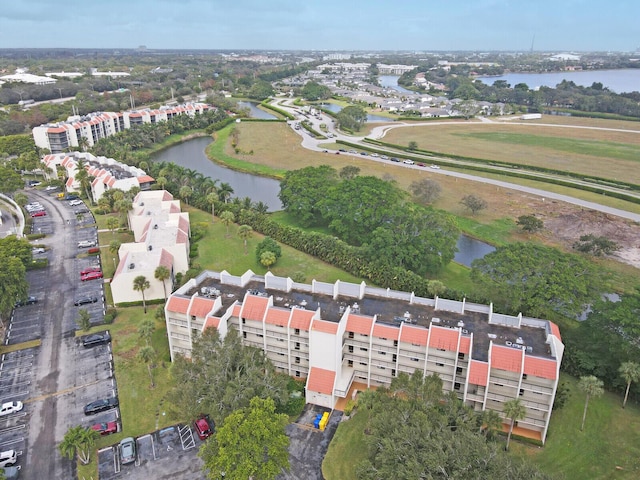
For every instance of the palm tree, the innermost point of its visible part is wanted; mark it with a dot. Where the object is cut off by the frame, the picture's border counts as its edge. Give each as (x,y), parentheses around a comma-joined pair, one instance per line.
(515,410)
(146,329)
(78,441)
(244,232)
(366,401)
(140,284)
(630,371)
(162,181)
(224,192)
(186,192)
(490,423)
(146,354)
(112,224)
(212,198)
(83,178)
(227,218)
(161,274)
(593,387)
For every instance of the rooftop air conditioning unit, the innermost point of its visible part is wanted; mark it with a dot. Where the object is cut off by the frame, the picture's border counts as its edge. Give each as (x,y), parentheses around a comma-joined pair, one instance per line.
(132,266)
(155,227)
(149,248)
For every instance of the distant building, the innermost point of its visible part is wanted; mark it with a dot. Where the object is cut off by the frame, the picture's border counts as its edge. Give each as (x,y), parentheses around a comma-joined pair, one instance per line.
(564,57)
(28,78)
(395,69)
(59,137)
(107,172)
(345,336)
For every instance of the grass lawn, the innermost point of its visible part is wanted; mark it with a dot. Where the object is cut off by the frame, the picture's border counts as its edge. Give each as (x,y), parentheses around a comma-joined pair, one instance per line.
(611,439)
(346,450)
(142,408)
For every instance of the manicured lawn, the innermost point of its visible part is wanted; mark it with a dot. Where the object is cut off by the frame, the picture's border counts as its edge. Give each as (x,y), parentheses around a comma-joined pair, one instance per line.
(346,450)
(611,439)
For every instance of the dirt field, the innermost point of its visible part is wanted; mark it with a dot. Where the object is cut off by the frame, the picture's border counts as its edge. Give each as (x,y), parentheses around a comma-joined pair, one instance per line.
(277,146)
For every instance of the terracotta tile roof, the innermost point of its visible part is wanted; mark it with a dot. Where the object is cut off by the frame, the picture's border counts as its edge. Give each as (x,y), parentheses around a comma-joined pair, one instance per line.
(200,306)
(555,330)
(540,367)
(166,259)
(321,380)
(174,209)
(324,326)
(56,129)
(386,331)
(478,372)
(278,316)
(181,237)
(301,318)
(506,358)
(359,324)
(145,179)
(121,264)
(178,305)
(237,308)
(211,322)
(254,307)
(444,338)
(465,345)
(413,335)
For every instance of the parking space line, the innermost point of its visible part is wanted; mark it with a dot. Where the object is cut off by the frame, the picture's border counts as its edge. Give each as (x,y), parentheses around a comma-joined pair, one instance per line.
(12,429)
(186,437)
(60,392)
(17,440)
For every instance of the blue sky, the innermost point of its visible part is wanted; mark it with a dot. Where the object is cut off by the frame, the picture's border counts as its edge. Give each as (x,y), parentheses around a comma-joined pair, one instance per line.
(558,25)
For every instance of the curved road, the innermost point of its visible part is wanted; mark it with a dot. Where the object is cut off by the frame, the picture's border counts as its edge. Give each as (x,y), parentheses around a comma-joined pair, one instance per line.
(311,143)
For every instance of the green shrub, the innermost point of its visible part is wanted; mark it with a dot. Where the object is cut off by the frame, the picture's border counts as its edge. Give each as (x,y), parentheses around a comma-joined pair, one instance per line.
(35,236)
(348,408)
(110,316)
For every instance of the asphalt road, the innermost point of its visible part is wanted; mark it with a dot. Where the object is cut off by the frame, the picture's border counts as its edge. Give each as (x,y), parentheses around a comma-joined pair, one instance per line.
(311,143)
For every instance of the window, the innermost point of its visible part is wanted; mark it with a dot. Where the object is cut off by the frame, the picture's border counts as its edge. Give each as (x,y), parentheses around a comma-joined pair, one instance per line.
(363,363)
(456,386)
(193,317)
(461,356)
(297,347)
(362,349)
(415,359)
(350,348)
(521,391)
(350,334)
(438,364)
(244,334)
(395,343)
(459,370)
(297,373)
(297,359)
(381,368)
(350,363)
(259,335)
(524,376)
(297,331)
(243,321)
(382,353)
(393,372)
(395,357)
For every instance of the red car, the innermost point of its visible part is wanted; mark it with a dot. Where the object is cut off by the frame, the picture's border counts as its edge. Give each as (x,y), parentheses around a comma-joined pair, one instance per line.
(39,213)
(105,428)
(204,427)
(91,276)
(88,270)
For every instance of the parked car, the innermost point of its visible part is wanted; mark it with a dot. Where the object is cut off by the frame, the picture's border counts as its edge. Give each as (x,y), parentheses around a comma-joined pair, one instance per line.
(10,407)
(105,428)
(100,405)
(435,167)
(421,165)
(204,427)
(12,473)
(39,213)
(75,203)
(51,188)
(78,211)
(34,183)
(86,243)
(363,154)
(85,301)
(95,339)
(37,250)
(89,270)
(374,154)
(8,457)
(30,300)
(127,450)
(91,276)
(384,157)
(394,159)
(408,162)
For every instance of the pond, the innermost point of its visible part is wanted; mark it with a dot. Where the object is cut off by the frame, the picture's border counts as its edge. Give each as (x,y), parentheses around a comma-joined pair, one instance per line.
(191,154)
(257,112)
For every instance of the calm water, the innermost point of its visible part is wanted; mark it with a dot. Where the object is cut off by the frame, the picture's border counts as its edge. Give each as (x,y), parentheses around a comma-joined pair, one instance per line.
(191,155)
(391,81)
(332,107)
(619,81)
(257,112)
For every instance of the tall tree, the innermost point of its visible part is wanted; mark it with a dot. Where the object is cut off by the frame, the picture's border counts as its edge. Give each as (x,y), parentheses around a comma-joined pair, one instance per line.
(245,232)
(211,200)
(146,329)
(513,410)
(251,443)
(13,284)
(162,274)
(78,441)
(146,355)
(302,190)
(474,203)
(140,284)
(112,224)
(592,387)
(227,217)
(185,193)
(630,372)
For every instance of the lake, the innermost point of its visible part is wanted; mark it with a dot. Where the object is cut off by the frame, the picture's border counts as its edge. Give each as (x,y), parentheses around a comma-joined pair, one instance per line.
(191,154)
(391,81)
(619,81)
(257,112)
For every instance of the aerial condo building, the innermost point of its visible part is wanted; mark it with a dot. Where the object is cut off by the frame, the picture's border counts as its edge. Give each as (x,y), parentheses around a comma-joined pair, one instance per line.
(341,336)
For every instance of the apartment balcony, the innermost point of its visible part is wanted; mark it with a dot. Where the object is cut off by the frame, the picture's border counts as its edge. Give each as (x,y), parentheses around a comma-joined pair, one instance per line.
(277,349)
(344,382)
(475,397)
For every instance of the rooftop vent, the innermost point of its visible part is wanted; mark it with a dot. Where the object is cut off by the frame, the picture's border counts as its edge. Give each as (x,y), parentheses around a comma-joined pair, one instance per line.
(132,266)
(155,227)
(150,247)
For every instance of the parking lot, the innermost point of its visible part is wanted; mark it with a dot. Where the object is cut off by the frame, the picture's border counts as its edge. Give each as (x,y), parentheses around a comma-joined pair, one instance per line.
(170,453)
(16,377)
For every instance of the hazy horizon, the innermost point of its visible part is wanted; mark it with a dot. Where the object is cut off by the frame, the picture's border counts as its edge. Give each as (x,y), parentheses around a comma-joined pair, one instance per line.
(371,25)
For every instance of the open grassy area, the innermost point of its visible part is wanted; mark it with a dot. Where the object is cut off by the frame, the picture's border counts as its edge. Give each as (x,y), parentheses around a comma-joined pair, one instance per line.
(611,439)
(599,151)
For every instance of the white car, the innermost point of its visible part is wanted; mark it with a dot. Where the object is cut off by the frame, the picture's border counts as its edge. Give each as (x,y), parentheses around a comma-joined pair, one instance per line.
(435,167)
(408,162)
(86,244)
(50,187)
(10,407)
(8,458)
(374,154)
(37,250)
(75,203)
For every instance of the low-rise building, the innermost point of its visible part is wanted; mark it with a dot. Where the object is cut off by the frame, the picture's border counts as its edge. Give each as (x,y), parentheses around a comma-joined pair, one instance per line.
(338,335)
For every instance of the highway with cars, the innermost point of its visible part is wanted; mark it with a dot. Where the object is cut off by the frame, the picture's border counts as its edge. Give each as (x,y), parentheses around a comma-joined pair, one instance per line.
(319,145)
